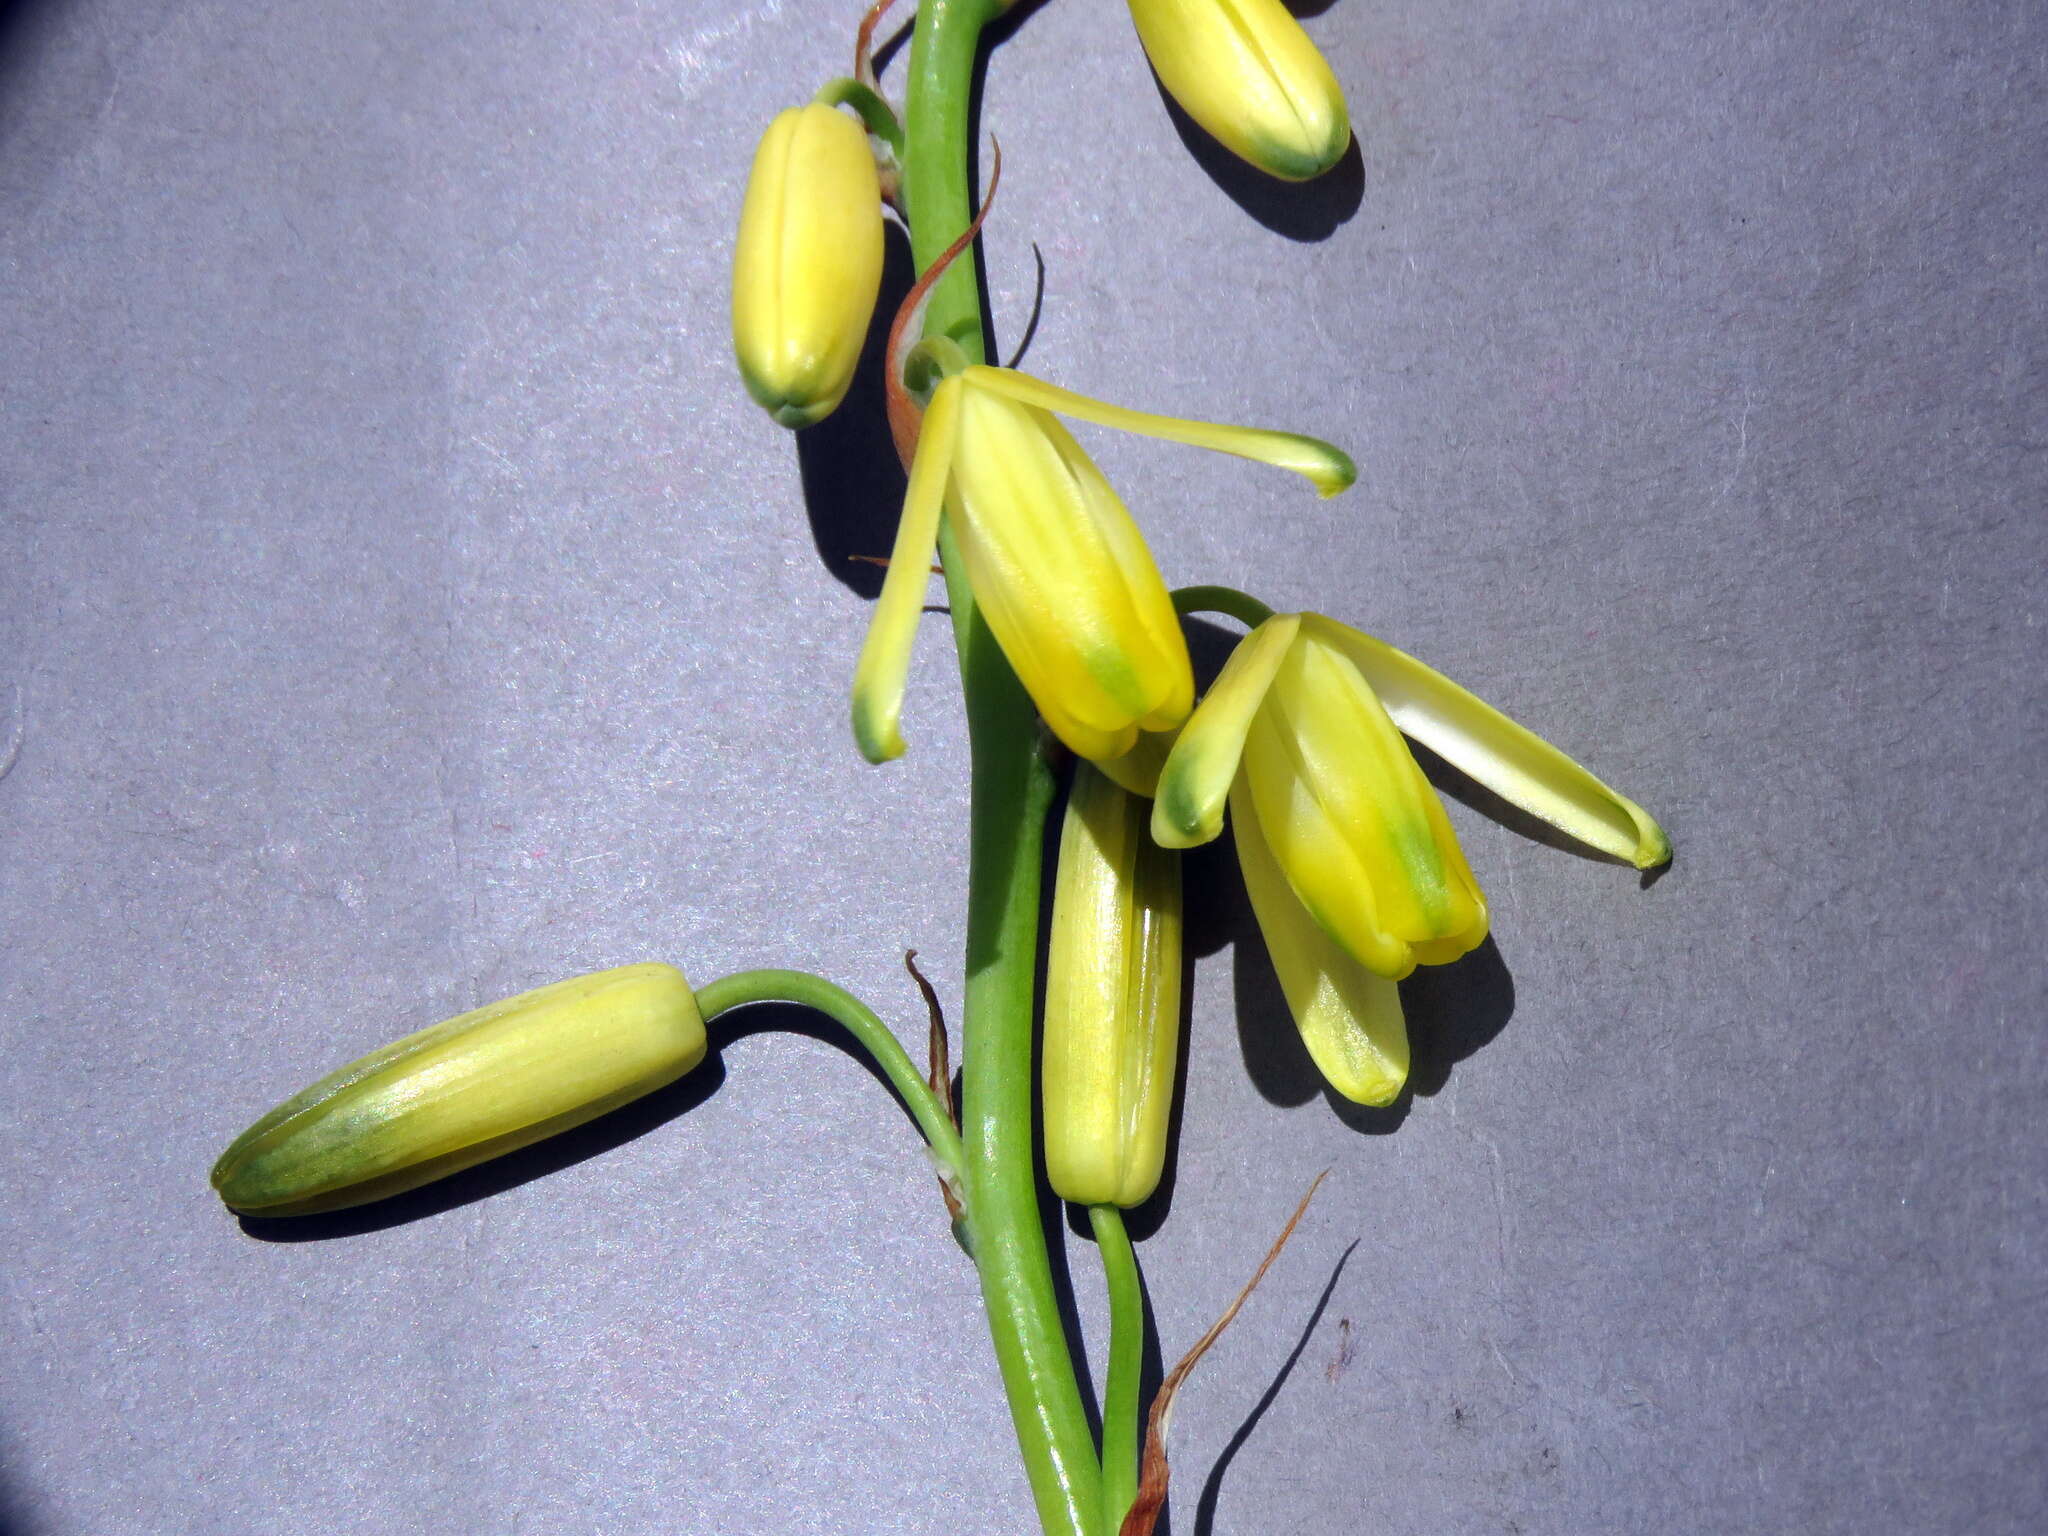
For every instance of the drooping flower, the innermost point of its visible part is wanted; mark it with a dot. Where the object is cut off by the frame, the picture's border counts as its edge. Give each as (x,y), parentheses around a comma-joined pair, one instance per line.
(1112,999)
(1247,72)
(1058,566)
(480,1085)
(808,263)
(1352,867)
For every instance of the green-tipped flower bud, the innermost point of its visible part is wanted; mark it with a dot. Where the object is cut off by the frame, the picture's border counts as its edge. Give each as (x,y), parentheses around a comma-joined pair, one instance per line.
(1112,999)
(482,1084)
(808,263)
(1246,71)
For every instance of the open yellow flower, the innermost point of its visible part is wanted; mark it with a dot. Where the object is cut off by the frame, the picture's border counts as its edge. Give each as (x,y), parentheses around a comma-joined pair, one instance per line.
(808,263)
(1061,572)
(1352,867)
(1247,72)
(484,1083)
(1112,999)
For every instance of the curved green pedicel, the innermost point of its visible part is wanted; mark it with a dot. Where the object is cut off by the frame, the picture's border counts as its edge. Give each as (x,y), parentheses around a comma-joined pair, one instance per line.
(1228,601)
(875,114)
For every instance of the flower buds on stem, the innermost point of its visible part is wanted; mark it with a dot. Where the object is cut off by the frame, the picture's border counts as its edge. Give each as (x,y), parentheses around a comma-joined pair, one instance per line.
(483,1084)
(1112,999)
(807,266)
(1247,72)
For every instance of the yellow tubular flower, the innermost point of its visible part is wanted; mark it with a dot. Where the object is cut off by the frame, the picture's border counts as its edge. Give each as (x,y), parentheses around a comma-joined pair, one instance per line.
(484,1083)
(1349,1018)
(808,263)
(1354,872)
(1059,568)
(1112,999)
(1246,71)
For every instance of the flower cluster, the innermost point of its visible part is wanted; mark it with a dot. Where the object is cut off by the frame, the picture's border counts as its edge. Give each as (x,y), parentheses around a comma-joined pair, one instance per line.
(1354,872)
(1058,566)
(1352,867)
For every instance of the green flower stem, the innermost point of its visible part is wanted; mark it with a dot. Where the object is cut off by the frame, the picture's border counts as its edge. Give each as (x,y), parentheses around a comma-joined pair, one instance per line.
(1011,791)
(1126,1363)
(876,1038)
(935,189)
(875,113)
(1228,601)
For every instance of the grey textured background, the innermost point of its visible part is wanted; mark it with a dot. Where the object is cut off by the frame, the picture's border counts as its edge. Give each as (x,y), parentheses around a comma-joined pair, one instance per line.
(402,605)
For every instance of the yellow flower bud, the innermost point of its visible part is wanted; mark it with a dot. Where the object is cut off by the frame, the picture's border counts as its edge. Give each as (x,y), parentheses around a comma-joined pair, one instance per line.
(1064,579)
(808,263)
(1247,72)
(1112,999)
(482,1084)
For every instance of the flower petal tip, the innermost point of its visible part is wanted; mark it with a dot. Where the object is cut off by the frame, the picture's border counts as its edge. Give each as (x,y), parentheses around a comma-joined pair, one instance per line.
(1341,475)
(1179,820)
(1373,1092)
(797,417)
(1301,161)
(877,735)
(786,406)
(1654,851)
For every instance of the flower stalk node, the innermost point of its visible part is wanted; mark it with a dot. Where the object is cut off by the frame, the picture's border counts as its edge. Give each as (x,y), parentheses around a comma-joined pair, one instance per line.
(906,415)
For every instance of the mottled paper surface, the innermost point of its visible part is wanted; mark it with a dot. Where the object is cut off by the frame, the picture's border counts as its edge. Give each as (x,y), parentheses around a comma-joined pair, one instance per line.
(401,605)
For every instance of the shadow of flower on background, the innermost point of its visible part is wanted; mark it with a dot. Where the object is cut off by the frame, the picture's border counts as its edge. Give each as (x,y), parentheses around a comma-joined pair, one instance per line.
(852,485)
(1212,1486)
(14,1514)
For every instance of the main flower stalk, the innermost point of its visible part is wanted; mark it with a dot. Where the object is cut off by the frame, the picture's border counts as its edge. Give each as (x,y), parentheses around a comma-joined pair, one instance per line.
(1011,792)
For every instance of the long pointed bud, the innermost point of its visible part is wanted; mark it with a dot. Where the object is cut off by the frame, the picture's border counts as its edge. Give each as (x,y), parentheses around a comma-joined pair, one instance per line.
(1112,999)
(483,1084)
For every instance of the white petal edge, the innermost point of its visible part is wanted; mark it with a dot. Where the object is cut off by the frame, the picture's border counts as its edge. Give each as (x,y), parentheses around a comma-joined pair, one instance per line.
(1512,761)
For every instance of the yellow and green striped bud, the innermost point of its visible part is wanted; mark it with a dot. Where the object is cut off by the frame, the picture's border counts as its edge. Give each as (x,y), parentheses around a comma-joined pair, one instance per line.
(482,1084)
(808,263)
(1247,72)
(1112,999)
